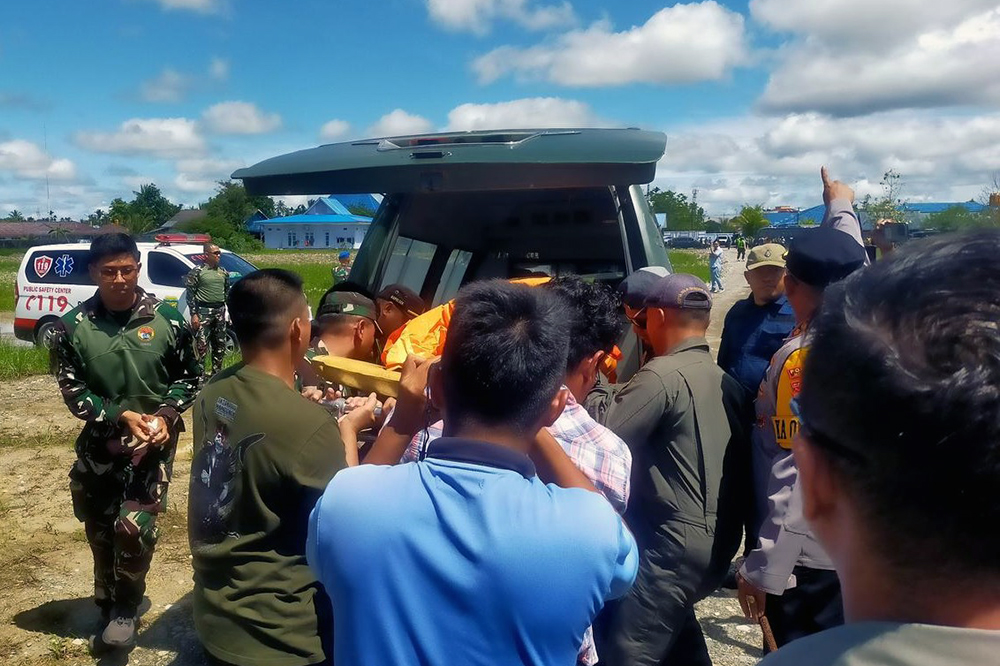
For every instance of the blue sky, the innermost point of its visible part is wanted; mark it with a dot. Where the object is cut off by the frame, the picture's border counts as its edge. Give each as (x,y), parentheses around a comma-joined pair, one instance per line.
(99,97)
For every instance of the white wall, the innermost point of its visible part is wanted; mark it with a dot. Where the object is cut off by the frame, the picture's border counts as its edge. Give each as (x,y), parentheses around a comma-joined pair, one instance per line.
(276,236)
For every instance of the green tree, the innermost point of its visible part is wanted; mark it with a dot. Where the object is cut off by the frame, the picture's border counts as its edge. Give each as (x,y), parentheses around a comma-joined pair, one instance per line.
(233,205)
(751,220)
(807,222)
(281,209)
(888,206)
(960,218)
(150,204)
(97,218)
(15,216)
(682,215)
(363,211)
(299,210)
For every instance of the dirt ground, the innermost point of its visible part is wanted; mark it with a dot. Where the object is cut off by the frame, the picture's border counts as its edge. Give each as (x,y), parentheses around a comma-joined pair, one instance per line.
(45,564)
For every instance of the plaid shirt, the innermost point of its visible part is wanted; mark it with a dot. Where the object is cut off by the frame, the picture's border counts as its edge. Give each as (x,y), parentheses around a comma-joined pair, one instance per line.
(599,453)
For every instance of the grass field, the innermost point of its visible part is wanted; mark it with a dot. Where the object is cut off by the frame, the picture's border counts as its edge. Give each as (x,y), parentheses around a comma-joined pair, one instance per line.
(694,262)
(17,361)
(10,260)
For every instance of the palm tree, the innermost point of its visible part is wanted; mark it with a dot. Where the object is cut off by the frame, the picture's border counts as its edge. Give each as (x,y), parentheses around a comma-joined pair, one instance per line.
(15,216)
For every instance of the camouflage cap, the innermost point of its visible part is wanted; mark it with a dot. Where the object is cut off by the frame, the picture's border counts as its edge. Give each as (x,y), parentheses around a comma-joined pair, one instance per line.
(345,303)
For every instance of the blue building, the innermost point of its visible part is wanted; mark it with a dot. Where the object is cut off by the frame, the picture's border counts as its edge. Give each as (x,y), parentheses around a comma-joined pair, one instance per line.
(915,214)
(326,224)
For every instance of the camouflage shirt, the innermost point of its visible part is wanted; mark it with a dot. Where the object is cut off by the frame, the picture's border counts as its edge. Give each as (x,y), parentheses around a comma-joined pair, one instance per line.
(105,366)
(341,273)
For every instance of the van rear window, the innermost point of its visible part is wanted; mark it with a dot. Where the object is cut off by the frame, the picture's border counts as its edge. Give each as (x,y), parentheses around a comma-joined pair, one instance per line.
(58,267)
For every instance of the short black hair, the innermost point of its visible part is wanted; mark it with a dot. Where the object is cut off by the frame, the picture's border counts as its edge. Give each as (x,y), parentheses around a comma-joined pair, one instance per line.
(901,389)
(505,355)
(112,245)
(595,317)
(263,303)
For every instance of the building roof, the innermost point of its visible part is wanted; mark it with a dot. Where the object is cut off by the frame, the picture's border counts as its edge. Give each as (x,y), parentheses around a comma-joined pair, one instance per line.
(928,208)
(312,219)
(185,215)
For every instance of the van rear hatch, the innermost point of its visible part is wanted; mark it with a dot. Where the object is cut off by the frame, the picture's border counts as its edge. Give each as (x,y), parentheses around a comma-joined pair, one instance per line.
(464,162)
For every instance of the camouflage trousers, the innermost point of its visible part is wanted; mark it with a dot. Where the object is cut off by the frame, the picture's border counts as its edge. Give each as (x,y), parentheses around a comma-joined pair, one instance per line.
(117,491)
(212,331)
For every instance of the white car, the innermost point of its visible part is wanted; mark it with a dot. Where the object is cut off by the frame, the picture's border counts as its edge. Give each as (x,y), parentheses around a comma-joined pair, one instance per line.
(53,279)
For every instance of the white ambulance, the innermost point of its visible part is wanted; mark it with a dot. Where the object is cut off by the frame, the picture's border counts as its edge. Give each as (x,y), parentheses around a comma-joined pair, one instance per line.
(53,279)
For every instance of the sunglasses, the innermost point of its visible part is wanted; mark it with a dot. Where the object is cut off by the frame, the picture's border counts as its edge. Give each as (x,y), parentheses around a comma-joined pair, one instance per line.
(125,271)
(639,319)
(823,440)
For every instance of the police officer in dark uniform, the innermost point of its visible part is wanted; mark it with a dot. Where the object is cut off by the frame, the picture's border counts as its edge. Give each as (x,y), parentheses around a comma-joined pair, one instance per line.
(686,423)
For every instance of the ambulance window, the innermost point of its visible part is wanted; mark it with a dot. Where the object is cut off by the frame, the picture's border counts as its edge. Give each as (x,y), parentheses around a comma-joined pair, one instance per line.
(165,270)
(454,273)
(408,264)
(58,267)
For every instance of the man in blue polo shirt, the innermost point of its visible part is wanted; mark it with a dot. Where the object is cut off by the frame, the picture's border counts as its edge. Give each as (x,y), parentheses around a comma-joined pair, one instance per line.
(466,557)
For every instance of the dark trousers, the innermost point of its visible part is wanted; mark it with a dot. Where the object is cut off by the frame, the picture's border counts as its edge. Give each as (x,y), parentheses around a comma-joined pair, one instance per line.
(813,605)
(655,624)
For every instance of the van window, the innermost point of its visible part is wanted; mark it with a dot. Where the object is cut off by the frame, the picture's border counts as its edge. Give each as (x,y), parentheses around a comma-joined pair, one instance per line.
(166,270)
(408,264)
(58,267)
(453,276)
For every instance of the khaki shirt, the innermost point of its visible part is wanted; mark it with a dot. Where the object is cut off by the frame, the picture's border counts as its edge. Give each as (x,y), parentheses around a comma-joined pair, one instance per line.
(885,643)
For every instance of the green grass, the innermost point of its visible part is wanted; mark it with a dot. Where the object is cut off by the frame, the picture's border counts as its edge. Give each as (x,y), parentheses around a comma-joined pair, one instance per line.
(694,262)
(316,275)
(17,361)
(10,261)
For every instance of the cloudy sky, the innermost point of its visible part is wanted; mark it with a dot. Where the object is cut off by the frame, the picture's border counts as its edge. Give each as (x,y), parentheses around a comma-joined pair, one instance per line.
(99,97)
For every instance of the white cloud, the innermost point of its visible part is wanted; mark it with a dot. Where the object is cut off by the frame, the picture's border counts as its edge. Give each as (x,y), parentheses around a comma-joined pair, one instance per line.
(776,161)
(862,22)
(239,118)
(156,137)
(477,16)
(334,129)
(678,44)
(399,122)
(523,113)
(218,69)
(200,6)
(169,86)
(28,160)
(933,56)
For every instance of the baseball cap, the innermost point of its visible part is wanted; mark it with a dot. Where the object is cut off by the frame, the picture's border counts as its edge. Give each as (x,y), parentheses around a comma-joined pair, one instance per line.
(769,254)
(345,303)
(405,298)
(634,289)
(680,290)
(344,255)
(819,257)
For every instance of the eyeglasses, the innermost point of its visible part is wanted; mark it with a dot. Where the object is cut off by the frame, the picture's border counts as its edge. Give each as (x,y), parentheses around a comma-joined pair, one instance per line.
(823,440)
(638,319)
(110,273)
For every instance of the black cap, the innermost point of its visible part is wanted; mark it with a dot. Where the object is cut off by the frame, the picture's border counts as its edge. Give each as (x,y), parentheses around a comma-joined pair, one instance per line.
(405,298)
(345,302)
(680,290)
(636,288)
(819,257)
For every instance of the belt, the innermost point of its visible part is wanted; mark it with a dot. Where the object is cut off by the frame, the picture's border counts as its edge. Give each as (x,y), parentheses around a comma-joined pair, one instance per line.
(220,304)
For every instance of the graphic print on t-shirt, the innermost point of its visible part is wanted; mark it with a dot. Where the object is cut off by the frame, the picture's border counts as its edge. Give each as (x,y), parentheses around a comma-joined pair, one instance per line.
(216,470)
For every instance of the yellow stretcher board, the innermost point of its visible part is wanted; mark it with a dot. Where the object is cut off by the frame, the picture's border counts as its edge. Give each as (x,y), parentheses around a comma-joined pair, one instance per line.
(360,375)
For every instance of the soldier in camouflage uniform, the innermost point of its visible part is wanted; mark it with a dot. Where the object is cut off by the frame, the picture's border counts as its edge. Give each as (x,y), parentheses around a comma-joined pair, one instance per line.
(207,289)
(343,268)
(126,364)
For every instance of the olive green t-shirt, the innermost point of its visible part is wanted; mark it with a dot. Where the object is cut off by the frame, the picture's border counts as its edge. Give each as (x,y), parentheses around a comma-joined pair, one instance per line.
(262,457)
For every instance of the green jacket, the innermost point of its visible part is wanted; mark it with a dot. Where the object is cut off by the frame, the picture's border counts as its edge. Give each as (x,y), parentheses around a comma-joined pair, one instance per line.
(146,364)
(206,285)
